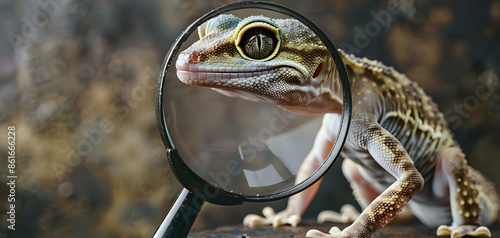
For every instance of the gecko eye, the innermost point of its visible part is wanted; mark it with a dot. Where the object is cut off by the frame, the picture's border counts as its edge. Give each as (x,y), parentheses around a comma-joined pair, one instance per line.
(258,41)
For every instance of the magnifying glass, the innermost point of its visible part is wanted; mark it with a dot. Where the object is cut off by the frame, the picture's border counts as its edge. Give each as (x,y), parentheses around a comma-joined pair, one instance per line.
(241,112)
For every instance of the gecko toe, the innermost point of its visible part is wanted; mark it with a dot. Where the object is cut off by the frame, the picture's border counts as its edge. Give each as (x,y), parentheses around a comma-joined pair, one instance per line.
(348,213)
(463,230)
(456,234)
(316,234)
(277,221)
(443,230)
(325,216)
(268,212)
(481,231)
(335,231)
(253,220)
(280,220)
(293,220)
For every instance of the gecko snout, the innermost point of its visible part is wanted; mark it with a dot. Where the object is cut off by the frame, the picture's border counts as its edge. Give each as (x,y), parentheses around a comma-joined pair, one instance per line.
(187,65)
(186,59)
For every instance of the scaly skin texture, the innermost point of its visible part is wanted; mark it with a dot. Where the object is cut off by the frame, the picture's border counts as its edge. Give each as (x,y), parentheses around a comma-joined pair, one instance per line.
(399,151)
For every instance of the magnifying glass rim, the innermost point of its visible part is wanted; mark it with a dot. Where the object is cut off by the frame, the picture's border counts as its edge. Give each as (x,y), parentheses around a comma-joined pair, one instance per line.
(346,109)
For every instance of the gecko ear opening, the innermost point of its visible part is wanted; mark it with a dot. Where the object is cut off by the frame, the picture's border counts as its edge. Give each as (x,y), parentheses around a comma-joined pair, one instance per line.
(318,70)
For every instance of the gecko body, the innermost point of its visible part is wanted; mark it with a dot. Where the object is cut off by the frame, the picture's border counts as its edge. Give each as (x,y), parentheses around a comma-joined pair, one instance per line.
(399,156)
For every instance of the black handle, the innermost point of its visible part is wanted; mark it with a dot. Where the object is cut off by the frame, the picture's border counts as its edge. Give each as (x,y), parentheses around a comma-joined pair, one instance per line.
(181,216)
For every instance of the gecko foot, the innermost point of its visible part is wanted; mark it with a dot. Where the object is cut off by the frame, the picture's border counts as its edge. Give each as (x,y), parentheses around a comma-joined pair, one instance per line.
(271,218)
(335,232)
(348,213)
(463,230)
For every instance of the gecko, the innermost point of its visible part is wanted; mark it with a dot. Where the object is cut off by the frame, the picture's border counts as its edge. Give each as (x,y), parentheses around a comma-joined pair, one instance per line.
(400,157)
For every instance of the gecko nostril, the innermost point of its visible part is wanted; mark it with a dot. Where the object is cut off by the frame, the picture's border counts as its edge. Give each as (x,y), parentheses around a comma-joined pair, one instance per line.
(187,60)
(195,57)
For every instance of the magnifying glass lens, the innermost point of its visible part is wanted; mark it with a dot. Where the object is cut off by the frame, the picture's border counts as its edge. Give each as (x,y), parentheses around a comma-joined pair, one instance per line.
(257,108)
(247,100)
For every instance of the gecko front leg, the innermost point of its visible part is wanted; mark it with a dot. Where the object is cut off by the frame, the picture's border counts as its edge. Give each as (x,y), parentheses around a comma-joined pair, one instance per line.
(364,192)
(297,204)
(392,156)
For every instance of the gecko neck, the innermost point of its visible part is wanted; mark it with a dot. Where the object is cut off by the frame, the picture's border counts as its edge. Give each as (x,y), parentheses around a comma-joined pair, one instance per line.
(329,98)
(323,104)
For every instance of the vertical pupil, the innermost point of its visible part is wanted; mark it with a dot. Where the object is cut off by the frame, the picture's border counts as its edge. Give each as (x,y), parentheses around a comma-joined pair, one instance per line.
(259,42)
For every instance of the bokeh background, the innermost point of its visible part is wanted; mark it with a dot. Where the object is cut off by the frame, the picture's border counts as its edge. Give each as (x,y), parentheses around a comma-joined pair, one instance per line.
(77,80)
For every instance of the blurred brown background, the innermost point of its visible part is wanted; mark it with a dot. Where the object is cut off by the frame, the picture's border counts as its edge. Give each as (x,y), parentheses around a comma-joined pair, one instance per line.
(77,80)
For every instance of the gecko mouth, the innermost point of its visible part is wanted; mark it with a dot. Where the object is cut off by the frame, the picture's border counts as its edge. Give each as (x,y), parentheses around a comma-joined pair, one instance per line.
(192,73)
(216,77)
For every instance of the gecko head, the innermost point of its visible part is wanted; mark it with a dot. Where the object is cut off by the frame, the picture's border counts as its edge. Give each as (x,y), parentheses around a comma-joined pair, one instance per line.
(278,61)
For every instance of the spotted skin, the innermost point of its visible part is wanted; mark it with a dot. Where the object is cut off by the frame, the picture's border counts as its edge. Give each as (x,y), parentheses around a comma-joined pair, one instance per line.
(400,157)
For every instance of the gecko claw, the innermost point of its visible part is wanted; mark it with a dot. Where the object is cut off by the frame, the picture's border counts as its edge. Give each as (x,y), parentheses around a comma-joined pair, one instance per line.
(463,230)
